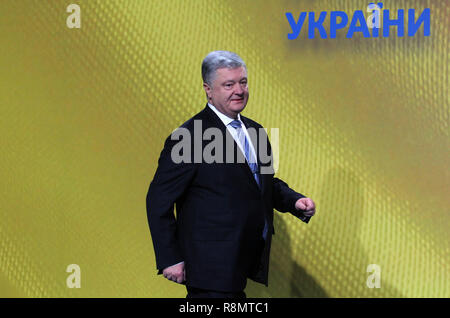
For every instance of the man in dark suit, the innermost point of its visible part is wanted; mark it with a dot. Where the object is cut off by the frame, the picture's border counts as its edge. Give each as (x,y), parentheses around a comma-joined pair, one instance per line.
(220,176)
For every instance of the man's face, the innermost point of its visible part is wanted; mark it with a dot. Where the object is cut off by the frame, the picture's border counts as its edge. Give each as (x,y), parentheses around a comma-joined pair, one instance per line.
(229,91)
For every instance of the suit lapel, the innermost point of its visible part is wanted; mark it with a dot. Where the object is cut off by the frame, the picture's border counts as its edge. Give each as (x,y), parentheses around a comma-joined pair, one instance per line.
(214,121)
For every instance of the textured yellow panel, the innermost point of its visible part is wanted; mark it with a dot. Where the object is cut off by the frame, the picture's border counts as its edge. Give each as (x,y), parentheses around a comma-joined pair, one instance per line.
(363,127)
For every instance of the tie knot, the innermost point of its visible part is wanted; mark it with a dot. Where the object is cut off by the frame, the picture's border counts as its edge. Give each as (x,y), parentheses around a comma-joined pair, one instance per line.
(235,124)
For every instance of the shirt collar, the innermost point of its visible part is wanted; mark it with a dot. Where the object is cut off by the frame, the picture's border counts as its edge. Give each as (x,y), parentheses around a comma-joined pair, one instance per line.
(224,118)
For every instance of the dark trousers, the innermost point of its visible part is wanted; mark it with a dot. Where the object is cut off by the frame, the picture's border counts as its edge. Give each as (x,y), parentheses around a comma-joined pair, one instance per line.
(193,292)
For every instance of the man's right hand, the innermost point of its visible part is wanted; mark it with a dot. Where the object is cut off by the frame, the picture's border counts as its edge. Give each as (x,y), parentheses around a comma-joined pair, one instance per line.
(175,273)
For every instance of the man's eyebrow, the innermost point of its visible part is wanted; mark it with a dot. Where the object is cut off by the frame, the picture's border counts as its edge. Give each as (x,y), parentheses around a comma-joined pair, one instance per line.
(233,81)
(228,82)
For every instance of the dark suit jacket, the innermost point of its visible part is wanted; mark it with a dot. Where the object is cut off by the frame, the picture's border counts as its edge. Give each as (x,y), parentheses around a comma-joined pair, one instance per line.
(220,213)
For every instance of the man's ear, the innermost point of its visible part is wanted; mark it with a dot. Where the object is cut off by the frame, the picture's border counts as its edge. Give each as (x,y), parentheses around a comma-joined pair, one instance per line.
(207,90)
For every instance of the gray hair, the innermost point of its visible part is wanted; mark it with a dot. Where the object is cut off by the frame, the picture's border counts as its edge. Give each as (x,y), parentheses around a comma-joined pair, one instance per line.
(219,59)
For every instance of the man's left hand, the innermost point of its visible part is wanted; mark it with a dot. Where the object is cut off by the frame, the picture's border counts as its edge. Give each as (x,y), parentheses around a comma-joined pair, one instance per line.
(306,205)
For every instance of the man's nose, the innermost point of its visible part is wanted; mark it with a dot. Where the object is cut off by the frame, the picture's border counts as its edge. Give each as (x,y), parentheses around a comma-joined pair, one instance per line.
(238,90)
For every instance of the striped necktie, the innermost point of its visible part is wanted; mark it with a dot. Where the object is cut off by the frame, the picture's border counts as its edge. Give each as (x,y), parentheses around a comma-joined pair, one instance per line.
(236,124)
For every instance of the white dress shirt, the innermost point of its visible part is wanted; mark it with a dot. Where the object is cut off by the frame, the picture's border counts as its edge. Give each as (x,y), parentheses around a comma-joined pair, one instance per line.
(226,121)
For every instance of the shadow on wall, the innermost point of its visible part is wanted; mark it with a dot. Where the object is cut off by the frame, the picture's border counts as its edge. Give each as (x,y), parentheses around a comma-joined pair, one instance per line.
(342,211)
(340,205)
(301,284)
(286,277)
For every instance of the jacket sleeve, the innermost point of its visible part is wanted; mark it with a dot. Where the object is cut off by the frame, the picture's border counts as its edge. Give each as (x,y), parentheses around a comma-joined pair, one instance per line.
(284,199)
(168,185)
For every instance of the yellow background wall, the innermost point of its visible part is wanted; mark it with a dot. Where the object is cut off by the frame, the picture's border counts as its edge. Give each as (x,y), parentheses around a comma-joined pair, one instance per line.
(84,112)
